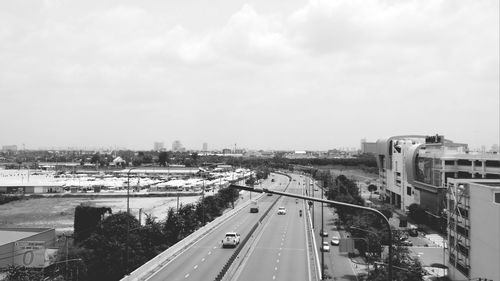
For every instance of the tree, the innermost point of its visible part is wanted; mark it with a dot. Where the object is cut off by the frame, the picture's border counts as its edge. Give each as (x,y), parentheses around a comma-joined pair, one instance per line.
(87,219)
(163,158)
(404,266)
(21,273)
(372,188)
(417,213)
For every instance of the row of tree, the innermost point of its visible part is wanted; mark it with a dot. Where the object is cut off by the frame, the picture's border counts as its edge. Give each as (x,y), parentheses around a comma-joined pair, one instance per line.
(108,246)
(370,230)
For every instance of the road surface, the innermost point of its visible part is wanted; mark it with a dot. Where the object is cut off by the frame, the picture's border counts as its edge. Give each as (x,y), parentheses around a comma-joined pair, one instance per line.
(279,251)
(205,258)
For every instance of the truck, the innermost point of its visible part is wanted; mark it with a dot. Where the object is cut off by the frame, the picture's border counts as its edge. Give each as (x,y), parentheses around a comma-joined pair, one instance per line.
(232,239)
(254,207)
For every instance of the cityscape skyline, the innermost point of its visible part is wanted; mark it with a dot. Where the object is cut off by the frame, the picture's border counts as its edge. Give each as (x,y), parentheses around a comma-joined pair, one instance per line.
(307,75)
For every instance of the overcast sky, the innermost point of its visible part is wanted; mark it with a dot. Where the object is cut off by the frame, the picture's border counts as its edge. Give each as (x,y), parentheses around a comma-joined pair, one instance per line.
(262,74)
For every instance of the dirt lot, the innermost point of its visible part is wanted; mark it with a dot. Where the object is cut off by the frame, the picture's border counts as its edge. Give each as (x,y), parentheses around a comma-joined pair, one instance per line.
(59,213)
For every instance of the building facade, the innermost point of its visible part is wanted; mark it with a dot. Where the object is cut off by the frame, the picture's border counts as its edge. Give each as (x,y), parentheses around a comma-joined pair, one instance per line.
(415,169)
(473,229)
(177,146)
(29,247)
(158,146)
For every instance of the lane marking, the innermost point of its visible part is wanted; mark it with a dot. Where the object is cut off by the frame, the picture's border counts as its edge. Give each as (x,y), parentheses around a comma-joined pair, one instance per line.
(186,276)
(203,259)
(209,253)
(275,268)
(196,266)
(274,277)
(278,260)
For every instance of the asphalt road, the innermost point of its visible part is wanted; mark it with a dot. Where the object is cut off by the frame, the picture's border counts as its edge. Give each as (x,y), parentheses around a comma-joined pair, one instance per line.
(279,251)
(337,265)
(205,258)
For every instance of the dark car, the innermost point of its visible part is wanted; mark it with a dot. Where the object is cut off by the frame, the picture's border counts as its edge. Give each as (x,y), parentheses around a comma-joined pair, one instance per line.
(413,232)
(323,233)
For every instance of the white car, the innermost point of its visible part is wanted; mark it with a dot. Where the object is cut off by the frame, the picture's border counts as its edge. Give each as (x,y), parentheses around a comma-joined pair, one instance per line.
(325,247)
(335,238)
(281,211)
(232,239)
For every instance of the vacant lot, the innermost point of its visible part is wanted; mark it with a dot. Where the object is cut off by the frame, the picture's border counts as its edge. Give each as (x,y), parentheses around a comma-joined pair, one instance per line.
(59,213)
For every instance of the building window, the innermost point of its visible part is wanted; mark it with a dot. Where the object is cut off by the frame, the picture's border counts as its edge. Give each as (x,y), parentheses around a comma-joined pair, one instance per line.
(408,190)
(497,197)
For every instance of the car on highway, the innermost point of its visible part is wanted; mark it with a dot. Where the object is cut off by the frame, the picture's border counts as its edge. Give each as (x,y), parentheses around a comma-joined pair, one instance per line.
(335,238)
(325,247)
(232,239)
(323,233)
(281,211)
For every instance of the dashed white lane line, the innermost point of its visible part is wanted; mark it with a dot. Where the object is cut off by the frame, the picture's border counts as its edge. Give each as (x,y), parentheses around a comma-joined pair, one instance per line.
(279,254)
(186,276)
(215,247)
(278,260)
(275,268)
(209,253)
(195,267)
(203,259)
(274,277)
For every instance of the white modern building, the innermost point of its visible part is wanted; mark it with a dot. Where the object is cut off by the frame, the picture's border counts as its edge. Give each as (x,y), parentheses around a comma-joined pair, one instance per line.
(473,229)
(415,169)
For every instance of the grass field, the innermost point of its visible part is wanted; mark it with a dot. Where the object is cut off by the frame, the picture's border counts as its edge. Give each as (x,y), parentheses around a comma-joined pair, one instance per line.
(59,213)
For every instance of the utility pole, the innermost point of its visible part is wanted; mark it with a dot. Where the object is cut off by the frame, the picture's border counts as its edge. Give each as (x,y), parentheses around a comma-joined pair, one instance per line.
(322,237)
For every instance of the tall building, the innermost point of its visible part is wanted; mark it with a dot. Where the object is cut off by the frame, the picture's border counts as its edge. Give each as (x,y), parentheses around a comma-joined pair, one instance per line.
(473,229)
(9,148)
(205,146)
(177,146)
(415,169)
(159,146)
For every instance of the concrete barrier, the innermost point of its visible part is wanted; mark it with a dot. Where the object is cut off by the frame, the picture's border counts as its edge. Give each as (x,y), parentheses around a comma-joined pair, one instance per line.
(149,268)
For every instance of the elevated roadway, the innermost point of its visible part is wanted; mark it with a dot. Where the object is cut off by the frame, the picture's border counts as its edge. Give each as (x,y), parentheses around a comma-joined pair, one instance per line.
(204,259)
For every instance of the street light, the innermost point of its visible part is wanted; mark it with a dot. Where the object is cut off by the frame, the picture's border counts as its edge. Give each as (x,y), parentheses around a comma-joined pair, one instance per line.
(335,203)
(128,213)
(128,190)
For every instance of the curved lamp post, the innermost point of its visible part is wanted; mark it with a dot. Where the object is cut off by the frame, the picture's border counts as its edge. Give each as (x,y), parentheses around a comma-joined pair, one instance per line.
(335,203)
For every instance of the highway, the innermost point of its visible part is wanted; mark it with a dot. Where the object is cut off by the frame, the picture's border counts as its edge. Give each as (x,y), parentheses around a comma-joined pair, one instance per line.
(206,257)
(279,251)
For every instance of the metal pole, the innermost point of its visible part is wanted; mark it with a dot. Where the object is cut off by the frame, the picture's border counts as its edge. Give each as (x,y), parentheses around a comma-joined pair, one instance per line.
(322,240)
(334,203)
(128,213)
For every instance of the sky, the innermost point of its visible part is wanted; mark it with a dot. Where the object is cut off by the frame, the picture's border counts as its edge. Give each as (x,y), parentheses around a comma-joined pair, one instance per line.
(258,74)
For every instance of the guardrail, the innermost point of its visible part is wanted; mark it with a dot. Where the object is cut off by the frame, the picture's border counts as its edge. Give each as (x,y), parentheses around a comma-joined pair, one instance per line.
(149,268)
(228,264)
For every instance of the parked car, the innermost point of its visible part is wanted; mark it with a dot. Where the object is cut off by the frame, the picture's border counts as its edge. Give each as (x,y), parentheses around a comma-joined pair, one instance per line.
(323,233)
(325,247)
(335,238)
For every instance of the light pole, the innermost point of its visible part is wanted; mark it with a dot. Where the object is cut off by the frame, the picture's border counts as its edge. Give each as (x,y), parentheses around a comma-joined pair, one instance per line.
(322,236)
(128,190)
(334,203)
(128,213)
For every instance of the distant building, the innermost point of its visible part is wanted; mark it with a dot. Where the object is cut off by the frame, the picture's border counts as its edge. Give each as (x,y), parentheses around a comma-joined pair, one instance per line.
(159,146)
(177,146)
(227,151)
(367,147)
(9,148)
(473,229)
(205,146)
